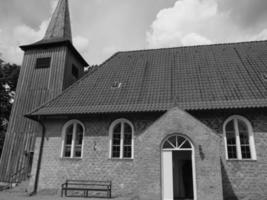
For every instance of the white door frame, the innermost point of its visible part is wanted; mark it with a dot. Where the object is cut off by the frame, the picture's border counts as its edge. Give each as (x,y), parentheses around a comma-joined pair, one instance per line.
(192,160)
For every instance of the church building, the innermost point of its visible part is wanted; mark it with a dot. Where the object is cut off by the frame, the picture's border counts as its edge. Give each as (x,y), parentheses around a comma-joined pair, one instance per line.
(187,123)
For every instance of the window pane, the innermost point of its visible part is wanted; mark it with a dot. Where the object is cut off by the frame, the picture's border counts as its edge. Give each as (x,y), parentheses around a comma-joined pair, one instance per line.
(244,139)
(78,151)
(230,126)
(167,145)
(115,151)
(180,140)
(231,151)
(172,140)
(67,151)
(117,128)
(245,150)
(127,151)
(127,139)
(79,135)
(231,138)
(127,128)
(68,137)
(186,145)
(116,139)
(243,132)
(79,128)
(242,126)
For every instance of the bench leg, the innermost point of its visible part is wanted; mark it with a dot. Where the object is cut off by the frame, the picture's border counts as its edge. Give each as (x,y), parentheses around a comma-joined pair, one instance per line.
(109,193)
(61,192)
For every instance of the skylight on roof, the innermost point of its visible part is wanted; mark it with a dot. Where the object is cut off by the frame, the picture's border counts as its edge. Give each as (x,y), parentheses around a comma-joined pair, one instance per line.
(264,76)
(116,85)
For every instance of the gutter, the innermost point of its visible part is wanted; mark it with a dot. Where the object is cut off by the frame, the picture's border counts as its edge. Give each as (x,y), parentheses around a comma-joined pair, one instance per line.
(39,158)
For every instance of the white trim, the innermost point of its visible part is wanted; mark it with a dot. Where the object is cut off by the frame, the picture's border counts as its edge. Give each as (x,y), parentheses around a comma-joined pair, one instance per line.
(192,149)
(238,144)
(63,135)
(111,127)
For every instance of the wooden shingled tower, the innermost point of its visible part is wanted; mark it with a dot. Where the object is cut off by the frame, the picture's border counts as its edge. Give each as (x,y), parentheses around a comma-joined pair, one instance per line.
(49,66)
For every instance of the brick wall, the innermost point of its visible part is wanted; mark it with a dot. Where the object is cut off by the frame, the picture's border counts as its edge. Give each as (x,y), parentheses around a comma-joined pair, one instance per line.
(242,179)
(95,163)
(141,177)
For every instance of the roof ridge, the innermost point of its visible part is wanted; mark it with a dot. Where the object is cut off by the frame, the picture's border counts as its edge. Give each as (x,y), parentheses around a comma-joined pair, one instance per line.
(192,46)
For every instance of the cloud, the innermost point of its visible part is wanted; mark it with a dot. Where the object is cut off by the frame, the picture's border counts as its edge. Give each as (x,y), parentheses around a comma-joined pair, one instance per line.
(81,43)
(194,38)
(53,5)
(245,13)
(109,50)
(20,35)
(260,36)
(26,34)
(182,24)
(192,22)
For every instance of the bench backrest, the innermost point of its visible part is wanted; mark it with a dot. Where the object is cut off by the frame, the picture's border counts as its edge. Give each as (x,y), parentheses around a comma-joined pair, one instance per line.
(87,182)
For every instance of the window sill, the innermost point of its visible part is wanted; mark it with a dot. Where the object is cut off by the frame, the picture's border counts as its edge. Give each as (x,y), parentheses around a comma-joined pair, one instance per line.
(121,159)
(242,160)
(67,158)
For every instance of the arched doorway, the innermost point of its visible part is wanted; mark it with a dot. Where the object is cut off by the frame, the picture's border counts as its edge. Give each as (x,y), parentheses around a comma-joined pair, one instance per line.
(178,174)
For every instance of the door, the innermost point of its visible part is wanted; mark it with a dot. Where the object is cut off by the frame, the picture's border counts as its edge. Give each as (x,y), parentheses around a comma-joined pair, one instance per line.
(167,175)
(177,169)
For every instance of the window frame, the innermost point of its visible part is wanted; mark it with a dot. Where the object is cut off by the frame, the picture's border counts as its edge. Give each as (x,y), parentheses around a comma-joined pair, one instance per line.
(252,147)
(75,71)
(40,59)
(74,133)
(111,128)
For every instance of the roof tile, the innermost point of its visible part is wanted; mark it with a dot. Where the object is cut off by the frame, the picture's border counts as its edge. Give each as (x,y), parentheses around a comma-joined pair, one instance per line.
(192,78)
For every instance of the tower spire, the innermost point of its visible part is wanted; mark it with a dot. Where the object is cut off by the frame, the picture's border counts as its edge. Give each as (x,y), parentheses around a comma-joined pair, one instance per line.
(59,26)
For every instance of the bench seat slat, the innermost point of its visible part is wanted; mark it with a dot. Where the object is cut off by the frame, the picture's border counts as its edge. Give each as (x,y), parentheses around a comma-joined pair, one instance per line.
(85,189)
(89,184)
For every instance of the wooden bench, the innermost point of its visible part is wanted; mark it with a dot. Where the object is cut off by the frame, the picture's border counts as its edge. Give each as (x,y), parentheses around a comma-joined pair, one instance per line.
(85,186)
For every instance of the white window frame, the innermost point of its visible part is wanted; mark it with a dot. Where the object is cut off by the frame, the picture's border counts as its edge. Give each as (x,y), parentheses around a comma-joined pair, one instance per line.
(238,144)
(74,122)
(113,124)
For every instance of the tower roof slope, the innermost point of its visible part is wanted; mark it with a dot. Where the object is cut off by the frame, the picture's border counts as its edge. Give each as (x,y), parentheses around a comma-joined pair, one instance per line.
(197,77)
(59,26)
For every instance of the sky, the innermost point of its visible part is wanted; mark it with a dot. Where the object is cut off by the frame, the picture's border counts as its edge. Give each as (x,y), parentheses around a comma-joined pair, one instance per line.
(102,27)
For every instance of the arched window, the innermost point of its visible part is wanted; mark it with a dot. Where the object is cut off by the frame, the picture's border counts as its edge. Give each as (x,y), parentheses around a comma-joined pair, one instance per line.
(239,138)
(177,142)
(121,139)
(72,139)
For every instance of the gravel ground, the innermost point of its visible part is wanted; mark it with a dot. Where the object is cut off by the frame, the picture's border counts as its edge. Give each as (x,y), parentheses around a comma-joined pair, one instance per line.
(11,195)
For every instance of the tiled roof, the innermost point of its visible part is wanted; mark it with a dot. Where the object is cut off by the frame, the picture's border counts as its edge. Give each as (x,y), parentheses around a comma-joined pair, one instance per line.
(197,77)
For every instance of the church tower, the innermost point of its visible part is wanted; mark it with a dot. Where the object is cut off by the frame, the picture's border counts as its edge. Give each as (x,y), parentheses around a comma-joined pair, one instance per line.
(49,66)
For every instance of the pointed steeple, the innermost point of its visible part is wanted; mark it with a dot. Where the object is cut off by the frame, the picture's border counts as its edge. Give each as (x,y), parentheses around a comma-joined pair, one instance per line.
(59,26)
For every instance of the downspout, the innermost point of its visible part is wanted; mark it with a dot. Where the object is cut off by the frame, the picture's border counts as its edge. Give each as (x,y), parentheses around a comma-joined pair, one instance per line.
(39,159)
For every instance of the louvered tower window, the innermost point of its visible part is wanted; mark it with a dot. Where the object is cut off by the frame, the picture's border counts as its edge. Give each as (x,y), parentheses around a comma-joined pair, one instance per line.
(75,71)
(43,63)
